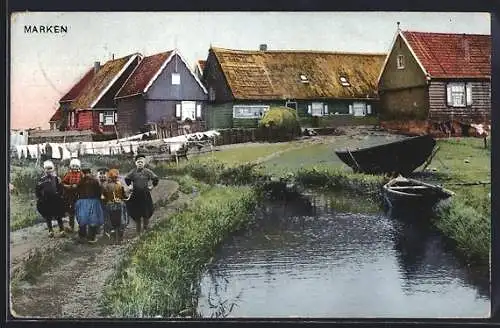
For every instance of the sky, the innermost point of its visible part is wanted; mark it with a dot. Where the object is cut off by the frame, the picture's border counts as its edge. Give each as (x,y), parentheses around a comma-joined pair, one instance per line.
(45,66)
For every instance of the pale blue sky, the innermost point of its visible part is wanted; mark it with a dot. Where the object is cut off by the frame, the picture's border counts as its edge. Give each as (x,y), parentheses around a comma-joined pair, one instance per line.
(44,66)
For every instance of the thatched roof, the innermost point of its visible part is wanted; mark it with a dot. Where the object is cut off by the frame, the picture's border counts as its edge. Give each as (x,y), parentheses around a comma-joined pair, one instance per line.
(101,81)
(299,74)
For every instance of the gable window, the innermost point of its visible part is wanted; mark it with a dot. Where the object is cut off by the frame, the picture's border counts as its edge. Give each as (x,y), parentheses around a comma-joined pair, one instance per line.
(249,111)
(459,94)
(107,118)
(176,79)
(401,61)
(344,81)
(211,94)
(304,78)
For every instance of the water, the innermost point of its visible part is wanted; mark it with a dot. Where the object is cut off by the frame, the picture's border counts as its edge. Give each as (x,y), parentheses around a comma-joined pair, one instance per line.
(313,260)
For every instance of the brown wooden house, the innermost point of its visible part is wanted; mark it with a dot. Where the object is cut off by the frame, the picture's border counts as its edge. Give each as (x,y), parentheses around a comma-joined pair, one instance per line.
(243,84)
(161,89)
(437,77)
(89,104)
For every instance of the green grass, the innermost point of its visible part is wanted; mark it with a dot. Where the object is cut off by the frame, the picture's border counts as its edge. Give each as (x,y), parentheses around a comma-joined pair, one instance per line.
(247,153)
(23,212)
(160,276)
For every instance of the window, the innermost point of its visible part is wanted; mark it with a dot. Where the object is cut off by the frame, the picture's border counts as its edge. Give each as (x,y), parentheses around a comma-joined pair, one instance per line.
(291,104)
(459,94)
(303,78)
(176,79)
(401,61)
(317,109)
(187,110)
(211,94)
(358,109)
(344,82)
(198,111)
(249,111)
(107,118)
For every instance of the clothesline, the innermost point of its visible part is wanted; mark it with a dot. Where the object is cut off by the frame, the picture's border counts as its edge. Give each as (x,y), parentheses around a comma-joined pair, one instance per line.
(111,147)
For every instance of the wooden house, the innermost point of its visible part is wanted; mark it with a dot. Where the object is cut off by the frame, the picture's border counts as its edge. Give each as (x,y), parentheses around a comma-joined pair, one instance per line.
(161,89)
(436,77)
(243,84)
(198,70)
(89,104)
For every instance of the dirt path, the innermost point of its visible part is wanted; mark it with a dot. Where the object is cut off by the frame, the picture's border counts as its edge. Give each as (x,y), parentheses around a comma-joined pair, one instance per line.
(72,284)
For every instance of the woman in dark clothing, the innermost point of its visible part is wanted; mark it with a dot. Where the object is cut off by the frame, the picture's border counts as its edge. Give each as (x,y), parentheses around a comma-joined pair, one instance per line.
(49,203)
(88,207)
(140,204)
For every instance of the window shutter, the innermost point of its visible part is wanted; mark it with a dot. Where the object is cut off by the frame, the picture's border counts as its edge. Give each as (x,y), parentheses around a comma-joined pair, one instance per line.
(368,109)
(177,110)
(198,111)
(116,117)
(325,109)
(468,88)
(309,109)
(101,118)
(449,101)
(350,109)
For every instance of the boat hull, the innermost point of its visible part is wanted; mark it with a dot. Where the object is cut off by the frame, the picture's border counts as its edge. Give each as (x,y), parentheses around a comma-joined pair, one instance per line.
(399,157)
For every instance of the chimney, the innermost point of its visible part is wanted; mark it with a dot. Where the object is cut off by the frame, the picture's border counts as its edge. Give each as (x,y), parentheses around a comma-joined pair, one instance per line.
(399,29)
(465,43)
(112,56)
(263,47)
(97,66)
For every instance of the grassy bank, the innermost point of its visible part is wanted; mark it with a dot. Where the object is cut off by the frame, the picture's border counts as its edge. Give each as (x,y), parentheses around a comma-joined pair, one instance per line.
(467,218)
(160,275)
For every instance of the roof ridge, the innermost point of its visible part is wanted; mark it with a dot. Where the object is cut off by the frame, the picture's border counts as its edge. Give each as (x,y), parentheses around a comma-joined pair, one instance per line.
(444,33)
(303,51)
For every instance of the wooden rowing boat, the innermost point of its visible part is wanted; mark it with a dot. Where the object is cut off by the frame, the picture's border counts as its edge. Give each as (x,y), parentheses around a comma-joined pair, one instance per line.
(404,193)
(398,157)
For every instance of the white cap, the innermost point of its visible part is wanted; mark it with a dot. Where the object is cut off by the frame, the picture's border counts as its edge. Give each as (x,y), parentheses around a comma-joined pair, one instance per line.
(48,165)
(75,163)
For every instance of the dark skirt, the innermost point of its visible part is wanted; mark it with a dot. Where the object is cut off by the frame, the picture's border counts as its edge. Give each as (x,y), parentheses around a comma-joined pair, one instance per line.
(89,211)
(140,205)
(50,208)
(116,214)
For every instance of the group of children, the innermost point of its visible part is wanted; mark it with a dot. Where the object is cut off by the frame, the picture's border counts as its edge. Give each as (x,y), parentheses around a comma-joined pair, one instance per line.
(96,201)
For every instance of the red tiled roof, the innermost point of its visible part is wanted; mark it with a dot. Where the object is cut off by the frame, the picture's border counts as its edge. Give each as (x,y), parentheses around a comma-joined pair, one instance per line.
(445,55)
(202,63)
(78,87)
(57,115)
(144,72)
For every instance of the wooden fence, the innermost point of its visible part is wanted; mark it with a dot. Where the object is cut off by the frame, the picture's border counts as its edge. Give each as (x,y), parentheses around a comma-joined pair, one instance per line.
(168,129)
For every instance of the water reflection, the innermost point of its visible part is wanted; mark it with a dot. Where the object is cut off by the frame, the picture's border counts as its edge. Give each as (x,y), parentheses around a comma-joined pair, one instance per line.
(312,258)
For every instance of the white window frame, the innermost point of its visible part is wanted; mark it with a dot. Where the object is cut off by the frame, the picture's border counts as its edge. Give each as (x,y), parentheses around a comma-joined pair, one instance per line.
(358,104)
(344,82)
(185,105)
(107,118)
(176,79)
(304,78)
(317,109)
(252,111)
(198,110)
(459,94)
(400,61)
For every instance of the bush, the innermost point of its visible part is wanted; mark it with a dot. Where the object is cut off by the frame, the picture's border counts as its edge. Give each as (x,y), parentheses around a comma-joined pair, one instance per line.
(280,124)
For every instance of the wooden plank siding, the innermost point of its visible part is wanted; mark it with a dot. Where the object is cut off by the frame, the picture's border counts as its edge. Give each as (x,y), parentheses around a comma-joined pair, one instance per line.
(478,112)
(131,115)
(219,116)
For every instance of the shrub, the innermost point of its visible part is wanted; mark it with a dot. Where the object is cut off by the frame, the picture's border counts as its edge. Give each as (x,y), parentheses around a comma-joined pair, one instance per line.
(280,124)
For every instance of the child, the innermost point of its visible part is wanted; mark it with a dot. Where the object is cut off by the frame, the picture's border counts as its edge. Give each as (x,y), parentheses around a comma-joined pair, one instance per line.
(49,203)
(114,202)
(70,181)
(140,204)
(88,207)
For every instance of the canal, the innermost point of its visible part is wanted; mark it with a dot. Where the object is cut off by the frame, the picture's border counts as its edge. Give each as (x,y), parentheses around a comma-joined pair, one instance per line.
(339,256)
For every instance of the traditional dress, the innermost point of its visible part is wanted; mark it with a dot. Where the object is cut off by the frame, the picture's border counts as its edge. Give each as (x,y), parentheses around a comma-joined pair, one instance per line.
(114,203)
(88,207)
(70,194)
(140,204)
(49,203)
